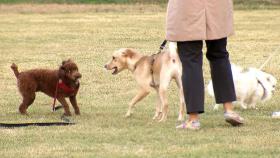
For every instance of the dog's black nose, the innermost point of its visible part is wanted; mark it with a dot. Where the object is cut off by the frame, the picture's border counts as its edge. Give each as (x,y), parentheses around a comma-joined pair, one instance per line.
(78,75)
(105,66)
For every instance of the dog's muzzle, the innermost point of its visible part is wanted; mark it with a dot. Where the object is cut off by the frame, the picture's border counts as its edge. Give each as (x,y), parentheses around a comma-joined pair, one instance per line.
(115,69)
(77,76)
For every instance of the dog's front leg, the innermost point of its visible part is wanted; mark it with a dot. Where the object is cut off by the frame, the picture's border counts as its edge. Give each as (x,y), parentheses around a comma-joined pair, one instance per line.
(253,102)
(243,104)
(253,106)
(65,106)
(139,96)
(73,101)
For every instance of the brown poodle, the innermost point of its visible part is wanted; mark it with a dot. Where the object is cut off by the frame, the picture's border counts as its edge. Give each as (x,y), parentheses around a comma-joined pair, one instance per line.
(58,84)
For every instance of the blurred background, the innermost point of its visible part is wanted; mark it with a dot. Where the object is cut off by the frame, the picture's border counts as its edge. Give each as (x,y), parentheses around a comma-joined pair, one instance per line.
(240,4)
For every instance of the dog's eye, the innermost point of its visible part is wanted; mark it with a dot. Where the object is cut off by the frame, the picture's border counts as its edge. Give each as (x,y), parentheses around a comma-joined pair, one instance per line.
(114,58)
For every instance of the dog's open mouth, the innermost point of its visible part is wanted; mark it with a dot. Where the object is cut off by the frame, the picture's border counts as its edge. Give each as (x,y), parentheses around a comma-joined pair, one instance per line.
(115,70)
(76,81)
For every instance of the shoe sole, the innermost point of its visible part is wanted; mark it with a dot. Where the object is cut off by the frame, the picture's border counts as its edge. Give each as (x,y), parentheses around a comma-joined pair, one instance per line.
(234,122)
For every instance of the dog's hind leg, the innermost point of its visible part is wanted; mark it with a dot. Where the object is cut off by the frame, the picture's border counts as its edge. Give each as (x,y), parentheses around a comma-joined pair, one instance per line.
(65,106)
(163,98)
(26,102)
(164,83)
(158,107)
(73,101)
(142,93)
(182,98)
(27,91)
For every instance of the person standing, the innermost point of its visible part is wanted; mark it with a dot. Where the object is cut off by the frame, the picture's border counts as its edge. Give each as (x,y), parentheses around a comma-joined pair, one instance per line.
(189,23)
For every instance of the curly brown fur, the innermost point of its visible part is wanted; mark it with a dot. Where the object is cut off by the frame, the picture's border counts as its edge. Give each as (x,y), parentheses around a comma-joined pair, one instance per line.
(44,80)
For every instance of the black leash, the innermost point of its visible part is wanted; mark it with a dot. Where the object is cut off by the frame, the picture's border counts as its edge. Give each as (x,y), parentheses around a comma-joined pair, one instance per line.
(16,125)
(57,107)
(65,122)
(264,90)
(162,46)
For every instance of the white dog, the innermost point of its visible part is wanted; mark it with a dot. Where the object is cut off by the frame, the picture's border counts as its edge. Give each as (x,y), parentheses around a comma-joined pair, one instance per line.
(251,86)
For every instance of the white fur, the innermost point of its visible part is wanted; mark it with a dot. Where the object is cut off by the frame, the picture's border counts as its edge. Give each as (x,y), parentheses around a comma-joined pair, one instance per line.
(247,87)
(173,49)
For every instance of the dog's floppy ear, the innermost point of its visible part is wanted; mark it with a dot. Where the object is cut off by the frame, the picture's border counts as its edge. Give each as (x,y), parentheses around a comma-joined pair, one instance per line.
(61,71)
(128,53)
(66,61)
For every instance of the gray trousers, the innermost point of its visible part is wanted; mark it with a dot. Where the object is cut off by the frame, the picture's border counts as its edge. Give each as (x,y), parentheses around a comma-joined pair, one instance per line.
(190,53)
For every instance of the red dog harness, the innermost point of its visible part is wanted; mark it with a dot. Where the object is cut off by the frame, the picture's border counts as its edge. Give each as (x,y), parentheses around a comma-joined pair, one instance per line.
(61,85)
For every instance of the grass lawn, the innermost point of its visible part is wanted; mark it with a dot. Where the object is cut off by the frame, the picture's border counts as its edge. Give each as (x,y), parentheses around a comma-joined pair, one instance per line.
(44,39)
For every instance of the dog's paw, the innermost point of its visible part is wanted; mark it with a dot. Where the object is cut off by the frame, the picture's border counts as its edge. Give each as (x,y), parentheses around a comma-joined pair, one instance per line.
(67,114)
(180,118)
(24,113)
(216,107)
(163,118)
(157,116)
(254,108)
(77,113)
(127,115)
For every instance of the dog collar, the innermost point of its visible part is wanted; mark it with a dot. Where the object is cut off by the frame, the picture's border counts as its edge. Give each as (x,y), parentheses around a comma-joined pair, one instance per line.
(61,85)
(264,90)
(65,88)
(136,64)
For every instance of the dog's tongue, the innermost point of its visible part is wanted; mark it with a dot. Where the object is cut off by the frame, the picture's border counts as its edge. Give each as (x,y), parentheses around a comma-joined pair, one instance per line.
(77,82)
(115,71)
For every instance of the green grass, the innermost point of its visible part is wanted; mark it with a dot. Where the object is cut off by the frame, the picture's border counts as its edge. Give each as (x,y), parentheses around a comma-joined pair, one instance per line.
(43,40)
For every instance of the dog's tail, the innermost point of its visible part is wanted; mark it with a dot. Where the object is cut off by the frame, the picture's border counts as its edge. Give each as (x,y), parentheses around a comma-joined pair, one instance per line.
(173,51)
(15,69)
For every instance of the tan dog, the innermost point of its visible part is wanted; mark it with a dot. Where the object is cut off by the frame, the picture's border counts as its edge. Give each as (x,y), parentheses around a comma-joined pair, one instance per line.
(151,72)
